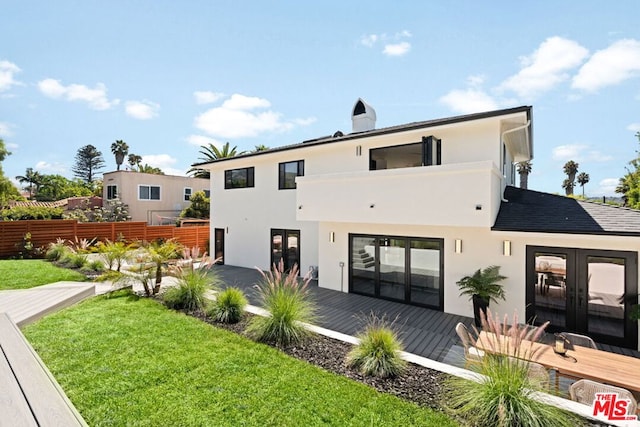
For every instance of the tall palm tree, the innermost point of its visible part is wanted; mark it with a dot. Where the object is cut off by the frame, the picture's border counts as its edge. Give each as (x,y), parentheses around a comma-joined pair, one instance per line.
(583,178)
(134,160)
(211,153)
(34,178)
(570,168)
(120,149)
(524,169)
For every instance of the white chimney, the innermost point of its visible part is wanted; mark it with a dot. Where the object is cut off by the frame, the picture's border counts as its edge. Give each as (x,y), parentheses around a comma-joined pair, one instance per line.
(363,117)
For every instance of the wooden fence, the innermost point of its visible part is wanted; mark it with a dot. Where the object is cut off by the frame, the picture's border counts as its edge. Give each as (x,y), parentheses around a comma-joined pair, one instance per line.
(44,232)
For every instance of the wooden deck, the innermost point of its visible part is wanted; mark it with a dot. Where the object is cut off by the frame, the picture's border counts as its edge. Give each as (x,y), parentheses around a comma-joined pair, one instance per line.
(424,332)
(29,394)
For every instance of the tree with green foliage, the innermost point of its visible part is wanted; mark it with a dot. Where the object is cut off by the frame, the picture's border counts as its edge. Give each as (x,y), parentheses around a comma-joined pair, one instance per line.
(57,187)
(134,161)
(524,169)
(88,162)
(8,191)
(570,169)
(119,149)
(147,168)
(583,179)
(33,178)
(199,208)
(212,153)
(629,184)
(260,147)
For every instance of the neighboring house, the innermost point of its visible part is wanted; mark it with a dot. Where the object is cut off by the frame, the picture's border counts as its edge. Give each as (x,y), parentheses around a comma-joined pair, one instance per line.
(404,212)
(155,199)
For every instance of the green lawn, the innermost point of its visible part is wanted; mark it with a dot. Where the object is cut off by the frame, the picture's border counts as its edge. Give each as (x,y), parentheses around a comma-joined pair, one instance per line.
(124,361)
(28,273)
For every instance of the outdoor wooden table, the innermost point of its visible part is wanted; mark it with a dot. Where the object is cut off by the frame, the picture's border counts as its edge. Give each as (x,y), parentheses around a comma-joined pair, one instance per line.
(580,362)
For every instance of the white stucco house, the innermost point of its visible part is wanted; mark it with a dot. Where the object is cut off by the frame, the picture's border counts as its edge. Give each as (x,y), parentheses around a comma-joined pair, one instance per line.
(152,198)
(404,212)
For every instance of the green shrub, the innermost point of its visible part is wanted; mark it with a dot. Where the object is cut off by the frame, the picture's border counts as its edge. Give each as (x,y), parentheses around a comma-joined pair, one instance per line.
(73,260)
(289,305)
(57,250)
(114,253)
(378,353)
(229,306)
(193,283)
(504,395)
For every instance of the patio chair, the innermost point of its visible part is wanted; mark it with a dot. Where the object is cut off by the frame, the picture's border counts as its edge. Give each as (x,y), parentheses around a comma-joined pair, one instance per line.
(537,373)
(584,391)
(581,340)
(470,351)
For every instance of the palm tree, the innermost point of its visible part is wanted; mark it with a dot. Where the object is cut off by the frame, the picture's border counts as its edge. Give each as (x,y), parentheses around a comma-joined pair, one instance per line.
(524,169)
(583,178)
(260,147)
(33,178)
(211,153)
(134,160)
(120,149)
(147,168)
(570,168)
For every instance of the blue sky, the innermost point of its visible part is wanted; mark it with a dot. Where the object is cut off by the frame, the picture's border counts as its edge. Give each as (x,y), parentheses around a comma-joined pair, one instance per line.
(166,76)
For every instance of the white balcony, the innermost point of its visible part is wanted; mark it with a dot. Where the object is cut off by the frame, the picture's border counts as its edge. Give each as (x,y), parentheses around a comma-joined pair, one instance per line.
(463,194)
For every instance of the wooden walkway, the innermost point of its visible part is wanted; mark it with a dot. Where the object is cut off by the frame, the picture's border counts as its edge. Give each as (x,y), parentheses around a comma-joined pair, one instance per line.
(424,332)
(29,394)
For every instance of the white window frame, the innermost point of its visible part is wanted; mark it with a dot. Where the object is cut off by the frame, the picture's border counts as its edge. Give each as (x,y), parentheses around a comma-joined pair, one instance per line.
(149,187)
(187,197)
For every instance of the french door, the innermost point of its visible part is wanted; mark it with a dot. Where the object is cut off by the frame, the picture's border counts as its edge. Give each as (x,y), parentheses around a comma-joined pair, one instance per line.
(285,246)
(585,291)
(405,269)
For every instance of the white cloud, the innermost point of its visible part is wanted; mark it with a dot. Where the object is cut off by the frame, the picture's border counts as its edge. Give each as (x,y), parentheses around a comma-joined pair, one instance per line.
(469,101)
(634,127)
(206,97)
(397,49)
(142,110)
(607,186)
(5,129)
(163,161)
(598,156)
(369,40)
(201,140)
(96,97)
(568,152)
(305,122)
(236,118)
(11,145)
(546,67)
(610,66)
(8,70)
(52,168)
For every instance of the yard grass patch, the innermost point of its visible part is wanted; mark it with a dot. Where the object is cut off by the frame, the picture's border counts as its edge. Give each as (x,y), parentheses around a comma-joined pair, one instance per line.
(29,273)
(127,361)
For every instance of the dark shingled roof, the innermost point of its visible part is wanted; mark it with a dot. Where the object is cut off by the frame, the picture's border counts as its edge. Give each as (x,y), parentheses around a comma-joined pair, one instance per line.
(533,211)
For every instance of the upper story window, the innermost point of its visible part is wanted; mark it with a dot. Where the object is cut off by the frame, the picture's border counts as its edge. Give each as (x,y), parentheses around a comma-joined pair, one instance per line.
(112,192)
(239,178)
(187,194)
(425,153)
(148,192)
(287,173)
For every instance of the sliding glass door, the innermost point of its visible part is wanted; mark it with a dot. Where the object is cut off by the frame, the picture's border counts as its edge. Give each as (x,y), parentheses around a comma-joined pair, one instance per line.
(405,269)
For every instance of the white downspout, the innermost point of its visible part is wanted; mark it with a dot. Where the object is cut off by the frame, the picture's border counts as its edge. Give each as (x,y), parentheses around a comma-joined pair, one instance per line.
(524,126)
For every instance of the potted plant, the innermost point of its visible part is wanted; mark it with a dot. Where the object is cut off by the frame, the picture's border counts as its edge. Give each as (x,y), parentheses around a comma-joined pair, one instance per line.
(483,286)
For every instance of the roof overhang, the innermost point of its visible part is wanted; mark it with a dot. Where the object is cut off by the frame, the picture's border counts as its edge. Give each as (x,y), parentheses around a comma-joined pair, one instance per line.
(517,138)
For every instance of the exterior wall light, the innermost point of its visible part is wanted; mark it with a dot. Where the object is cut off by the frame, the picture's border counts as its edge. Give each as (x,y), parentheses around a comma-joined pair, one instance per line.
(359,150)
(506,248)
(332,237)
(458,248)
(372,205)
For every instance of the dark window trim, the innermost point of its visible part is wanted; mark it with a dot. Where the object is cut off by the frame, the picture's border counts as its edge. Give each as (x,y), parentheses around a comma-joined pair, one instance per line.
(111,195)
(250,178)
(281,173)
(407,239)
(427,146)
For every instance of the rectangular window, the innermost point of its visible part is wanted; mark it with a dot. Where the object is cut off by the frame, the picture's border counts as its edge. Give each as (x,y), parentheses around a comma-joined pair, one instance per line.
(287,173)
(207,193)
(187,194)
(112,192)
(148,192)
(425,153)
(239,178)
